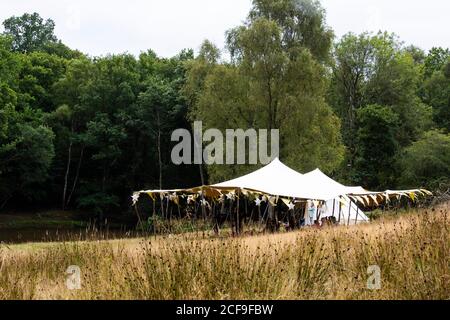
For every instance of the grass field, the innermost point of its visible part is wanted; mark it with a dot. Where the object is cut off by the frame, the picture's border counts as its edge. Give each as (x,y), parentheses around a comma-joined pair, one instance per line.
(411,250)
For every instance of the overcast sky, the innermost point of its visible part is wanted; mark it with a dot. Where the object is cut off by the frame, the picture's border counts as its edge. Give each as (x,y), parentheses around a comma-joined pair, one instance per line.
(99,27)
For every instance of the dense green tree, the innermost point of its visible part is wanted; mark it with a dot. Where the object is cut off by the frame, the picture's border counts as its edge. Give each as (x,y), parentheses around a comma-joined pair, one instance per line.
(375,69)
(301,22)
(10,64)
(161,97)
(417,54)
(69,122)
(61,50)
(376,138)
(108,134)
(38,74)
(112,85)
(29,32)
(199,68)
(26,144)
(426,163)
(436,93)
(26,152)
(435,60)
(156,109)
(267,87)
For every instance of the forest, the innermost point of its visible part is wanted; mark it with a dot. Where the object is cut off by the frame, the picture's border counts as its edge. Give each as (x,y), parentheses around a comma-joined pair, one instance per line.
(84,132)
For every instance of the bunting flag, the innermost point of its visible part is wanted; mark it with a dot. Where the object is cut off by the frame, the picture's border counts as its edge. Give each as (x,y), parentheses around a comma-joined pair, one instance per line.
(426,192)
(291,206)
(135,198)
(190,198)
(173,197)
(273,201)
(374,198)
(204,203)
(151,195)
(366,198)
(278,180)
(219,195)
(358,199)
(341,200)
(286,201)
(231,195)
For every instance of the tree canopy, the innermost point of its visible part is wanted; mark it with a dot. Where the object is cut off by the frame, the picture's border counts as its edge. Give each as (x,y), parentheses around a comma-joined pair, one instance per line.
(30,32)
(276,80)
(84,132)
(426,162)
(378,70)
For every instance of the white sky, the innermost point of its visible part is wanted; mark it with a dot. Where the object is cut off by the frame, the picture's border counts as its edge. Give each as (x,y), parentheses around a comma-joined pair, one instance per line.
(99,27)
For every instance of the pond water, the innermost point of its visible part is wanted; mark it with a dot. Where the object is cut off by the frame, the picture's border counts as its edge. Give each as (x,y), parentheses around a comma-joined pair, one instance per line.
(23,235)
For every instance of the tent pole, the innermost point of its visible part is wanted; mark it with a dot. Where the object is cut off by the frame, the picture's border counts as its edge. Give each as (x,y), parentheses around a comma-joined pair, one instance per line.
(233,222)
(246,211)
(237,215)
(259,213)
(213,214)
(340,209)
(305,211)
(349,211)
(162,205)
(265,216)
(357,213)
(218,217)
(251,214)
(196,207)
(334,201)
(139,217)
(227,207)
(203,207)
(292,216)
(167,209)
(154,216)
(318,212)
(170,215)
(270,215)
(277,213)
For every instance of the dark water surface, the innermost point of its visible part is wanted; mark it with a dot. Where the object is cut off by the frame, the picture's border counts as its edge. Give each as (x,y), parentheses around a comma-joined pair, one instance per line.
(22,235)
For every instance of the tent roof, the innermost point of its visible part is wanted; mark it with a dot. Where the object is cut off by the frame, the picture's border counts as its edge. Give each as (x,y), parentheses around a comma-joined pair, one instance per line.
(279,180)
(266,179)
(330,187)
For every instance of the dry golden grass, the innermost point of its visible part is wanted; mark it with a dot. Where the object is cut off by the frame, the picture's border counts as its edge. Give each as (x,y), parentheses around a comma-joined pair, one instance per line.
(412,251)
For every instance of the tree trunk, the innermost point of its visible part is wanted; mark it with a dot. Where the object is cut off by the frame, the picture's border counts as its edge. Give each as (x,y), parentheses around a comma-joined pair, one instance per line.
(5,202)
(238,222)
(66,176)
(158,143)
(159,150)
(77,174)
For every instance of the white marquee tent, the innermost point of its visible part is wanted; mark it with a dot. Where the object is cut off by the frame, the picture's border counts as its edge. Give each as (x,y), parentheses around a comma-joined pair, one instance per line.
(277,179)
(340,206)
